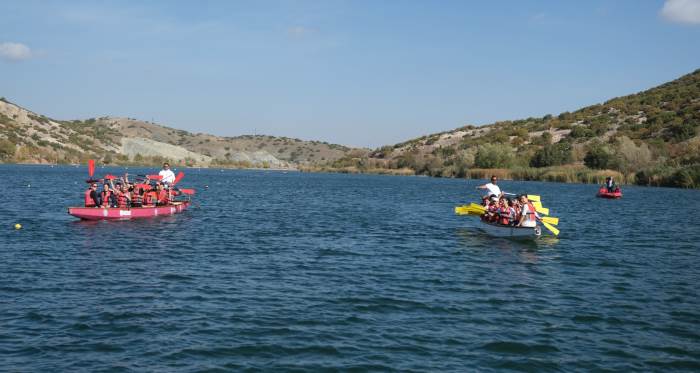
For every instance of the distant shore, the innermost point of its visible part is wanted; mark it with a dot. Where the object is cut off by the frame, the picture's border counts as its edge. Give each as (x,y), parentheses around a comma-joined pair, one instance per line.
(214,167)
(560,174)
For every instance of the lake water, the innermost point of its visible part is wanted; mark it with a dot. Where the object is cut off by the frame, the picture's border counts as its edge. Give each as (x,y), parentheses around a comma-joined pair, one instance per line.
(288,271)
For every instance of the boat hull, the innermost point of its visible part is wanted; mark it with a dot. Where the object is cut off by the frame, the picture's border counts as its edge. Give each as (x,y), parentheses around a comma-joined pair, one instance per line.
(91,213)
(498,230)
(603,193)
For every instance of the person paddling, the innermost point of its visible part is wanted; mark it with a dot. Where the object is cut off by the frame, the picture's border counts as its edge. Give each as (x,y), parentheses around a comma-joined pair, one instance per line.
(491,188)
(528,215)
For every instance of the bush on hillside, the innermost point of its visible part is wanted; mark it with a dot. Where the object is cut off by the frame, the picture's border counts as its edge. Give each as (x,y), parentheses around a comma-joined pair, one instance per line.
(552,155)
(598,157)
(493,156)
(7,149)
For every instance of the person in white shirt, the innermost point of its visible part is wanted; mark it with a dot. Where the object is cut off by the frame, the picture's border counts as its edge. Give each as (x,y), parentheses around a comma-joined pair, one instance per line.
(491,188)
(167,174)
(528,215)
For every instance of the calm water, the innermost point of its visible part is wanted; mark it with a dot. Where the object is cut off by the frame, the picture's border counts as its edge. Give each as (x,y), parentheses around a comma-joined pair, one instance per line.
(288,271)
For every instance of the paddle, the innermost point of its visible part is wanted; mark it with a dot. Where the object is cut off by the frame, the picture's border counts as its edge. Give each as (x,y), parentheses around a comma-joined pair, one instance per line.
(466,210)
(551,228)
(179,177)
(477,207)
(91,167)
(110,177)
(539,208)
(550,219)
(191,192)
(154,177)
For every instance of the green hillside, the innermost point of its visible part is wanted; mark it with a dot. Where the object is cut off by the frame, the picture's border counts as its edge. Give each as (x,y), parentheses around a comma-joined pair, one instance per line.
(648,138)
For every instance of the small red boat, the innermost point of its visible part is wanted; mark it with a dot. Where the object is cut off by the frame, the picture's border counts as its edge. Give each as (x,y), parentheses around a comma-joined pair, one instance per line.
(99,213)
(603,193)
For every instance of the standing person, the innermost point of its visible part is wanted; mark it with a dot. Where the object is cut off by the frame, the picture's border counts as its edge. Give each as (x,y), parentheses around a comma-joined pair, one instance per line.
(92,196)
(610,184)
(167,174)
(528,215)
(491,188)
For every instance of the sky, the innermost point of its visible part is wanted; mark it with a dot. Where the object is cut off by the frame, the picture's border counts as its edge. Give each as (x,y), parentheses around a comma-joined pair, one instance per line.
(358,73)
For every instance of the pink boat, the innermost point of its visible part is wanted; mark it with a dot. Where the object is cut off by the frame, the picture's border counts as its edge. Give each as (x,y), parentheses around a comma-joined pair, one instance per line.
(92,213)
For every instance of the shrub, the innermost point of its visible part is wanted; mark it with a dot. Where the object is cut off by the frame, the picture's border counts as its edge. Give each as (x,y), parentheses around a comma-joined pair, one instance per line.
(598,157)
(493,156)
(552,155)
(7,149)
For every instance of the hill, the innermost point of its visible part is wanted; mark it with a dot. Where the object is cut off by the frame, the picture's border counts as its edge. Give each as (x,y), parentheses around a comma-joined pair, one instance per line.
(648,138)
(28,137)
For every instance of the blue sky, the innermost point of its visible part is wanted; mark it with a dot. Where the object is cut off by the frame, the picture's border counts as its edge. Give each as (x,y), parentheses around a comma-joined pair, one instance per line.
(362,73)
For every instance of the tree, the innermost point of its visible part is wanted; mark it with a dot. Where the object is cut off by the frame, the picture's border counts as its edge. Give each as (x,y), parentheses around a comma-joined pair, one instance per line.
(632,157)
(493,156)
(598,157)
(552,155)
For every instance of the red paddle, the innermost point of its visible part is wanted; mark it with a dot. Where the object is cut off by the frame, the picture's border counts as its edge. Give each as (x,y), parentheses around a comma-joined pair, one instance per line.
(91,167)
(110,177)
(155,177)
(179,177)
(187,191)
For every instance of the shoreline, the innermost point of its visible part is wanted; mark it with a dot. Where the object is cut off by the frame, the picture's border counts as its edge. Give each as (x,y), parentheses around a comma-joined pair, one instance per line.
(556,174)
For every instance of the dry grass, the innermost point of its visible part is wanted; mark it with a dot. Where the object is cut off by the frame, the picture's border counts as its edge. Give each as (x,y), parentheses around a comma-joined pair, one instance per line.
(561,174)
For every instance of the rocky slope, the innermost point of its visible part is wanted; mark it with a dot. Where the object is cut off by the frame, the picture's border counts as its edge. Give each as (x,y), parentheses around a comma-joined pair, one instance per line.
(26,136)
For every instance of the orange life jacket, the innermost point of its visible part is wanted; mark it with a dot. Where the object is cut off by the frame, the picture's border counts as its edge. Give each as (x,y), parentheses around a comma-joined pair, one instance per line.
(150,197)
(122,200)
(531,212)
(89,202)
(163,197)
(105,198)
(136,198)
(505,215)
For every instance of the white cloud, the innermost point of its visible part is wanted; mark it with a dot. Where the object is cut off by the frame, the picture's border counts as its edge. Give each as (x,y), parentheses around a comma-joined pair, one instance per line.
(14,51)
(682,11)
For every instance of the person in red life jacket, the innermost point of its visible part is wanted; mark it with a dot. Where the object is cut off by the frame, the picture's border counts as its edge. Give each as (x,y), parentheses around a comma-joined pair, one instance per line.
(163,196)
(92,196)
(123,197)
(492,211)
(136,196)
(512,213)
(503,214)
(150,196)
(528,215)
(106,196)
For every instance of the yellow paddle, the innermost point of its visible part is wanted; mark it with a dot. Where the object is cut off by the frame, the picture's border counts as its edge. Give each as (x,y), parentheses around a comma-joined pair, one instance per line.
(539,208)
(533,198)
(551,228)
(467,210)
(477,207)
(550,219)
